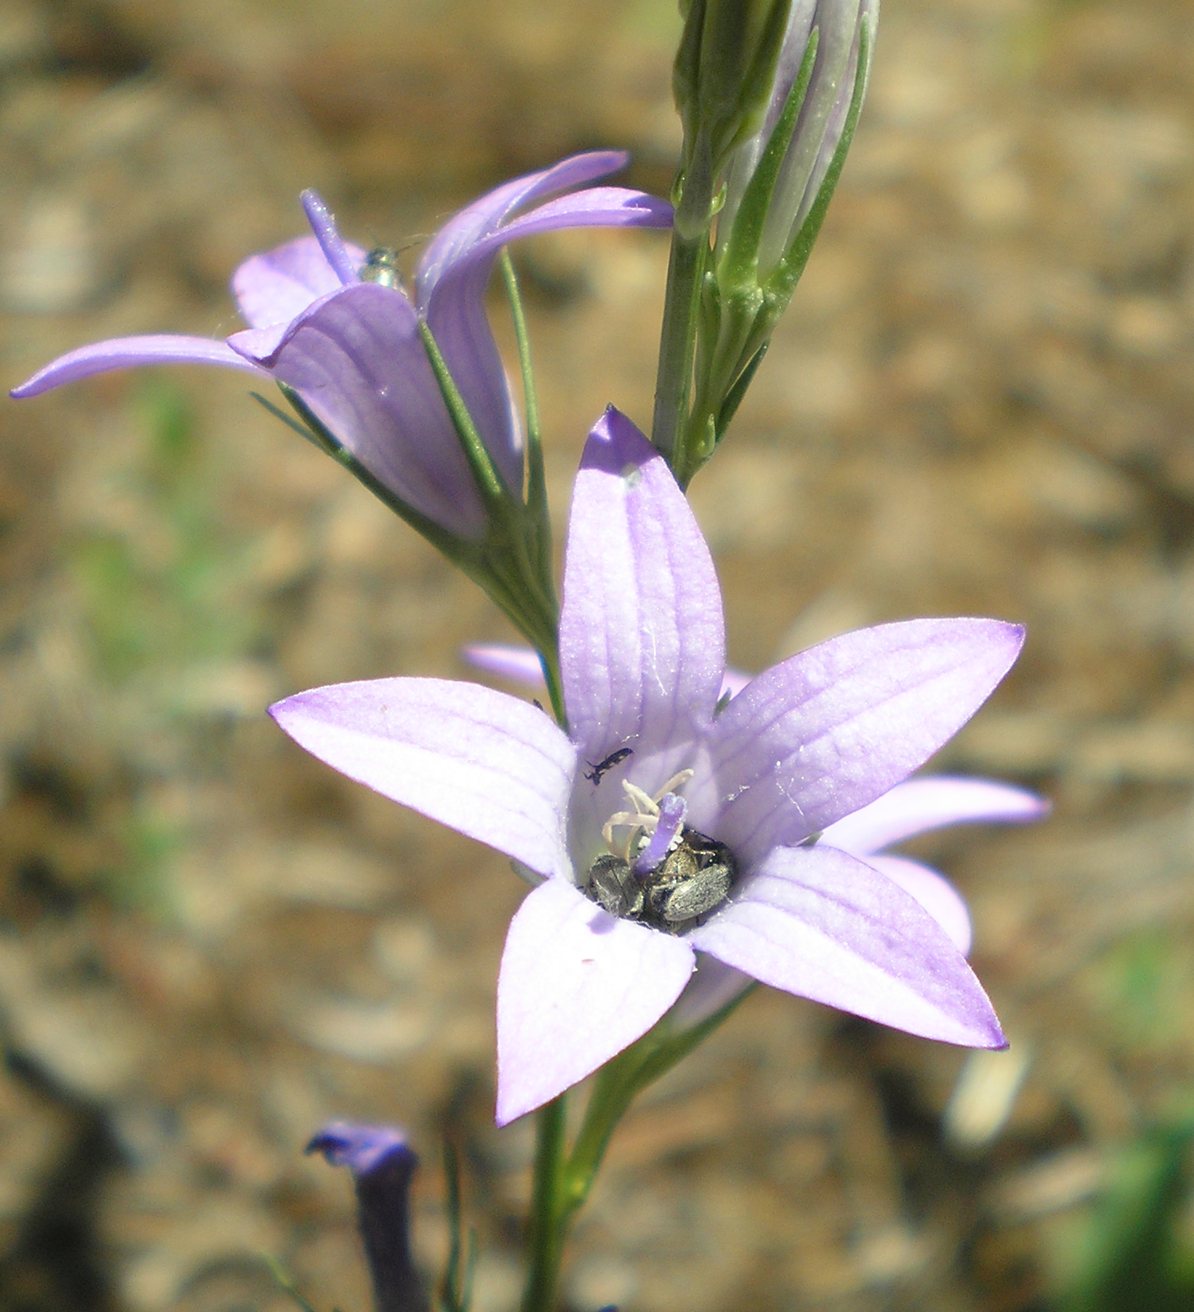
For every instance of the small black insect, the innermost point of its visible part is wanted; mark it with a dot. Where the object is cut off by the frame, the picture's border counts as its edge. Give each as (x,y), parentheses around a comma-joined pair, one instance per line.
(595,773)
(381,267)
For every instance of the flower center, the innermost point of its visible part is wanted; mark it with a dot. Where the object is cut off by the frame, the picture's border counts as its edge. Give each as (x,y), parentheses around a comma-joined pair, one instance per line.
(662,873)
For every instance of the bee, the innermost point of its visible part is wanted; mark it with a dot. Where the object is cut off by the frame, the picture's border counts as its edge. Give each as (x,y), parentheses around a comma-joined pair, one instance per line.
(596,772)
(381,267)
(690,883)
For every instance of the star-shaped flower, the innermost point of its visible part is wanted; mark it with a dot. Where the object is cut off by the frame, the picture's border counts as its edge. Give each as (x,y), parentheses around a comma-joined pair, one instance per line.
(664,822)
(334,324)
(906,811)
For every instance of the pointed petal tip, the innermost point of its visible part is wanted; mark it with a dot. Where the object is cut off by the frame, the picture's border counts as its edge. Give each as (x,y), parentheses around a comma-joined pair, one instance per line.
(131,353)
(508,1109)
(987,1033)
(1016,634)
(615,443)
(576,987)
(820,924)
(1006,639)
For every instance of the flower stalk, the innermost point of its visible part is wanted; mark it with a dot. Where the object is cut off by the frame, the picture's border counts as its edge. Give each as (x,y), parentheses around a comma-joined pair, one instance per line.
(740,244)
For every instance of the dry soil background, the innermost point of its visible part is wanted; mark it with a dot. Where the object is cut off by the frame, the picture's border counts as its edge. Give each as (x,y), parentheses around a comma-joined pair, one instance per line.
(981,403)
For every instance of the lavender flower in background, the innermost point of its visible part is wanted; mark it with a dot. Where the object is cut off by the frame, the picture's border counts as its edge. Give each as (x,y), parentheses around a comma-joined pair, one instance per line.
(350,349)
(729,803)
(382,1166)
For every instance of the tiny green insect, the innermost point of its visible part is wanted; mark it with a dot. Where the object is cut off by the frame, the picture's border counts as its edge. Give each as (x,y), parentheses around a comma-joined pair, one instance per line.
(381,267)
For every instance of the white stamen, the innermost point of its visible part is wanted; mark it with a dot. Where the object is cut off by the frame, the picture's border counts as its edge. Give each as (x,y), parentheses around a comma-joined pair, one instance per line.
(643,820)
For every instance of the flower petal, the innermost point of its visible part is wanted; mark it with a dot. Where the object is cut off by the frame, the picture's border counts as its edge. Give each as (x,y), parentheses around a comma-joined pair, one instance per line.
(919,805)
(829,730)
(277,286)
(714,985)
(576,986)
(129,353)
(822,925)
(595,207)
(382,1165)
(356,359)
(460,326)
(455,240)
(522,665)
(454,273)
(507,661)
(934,892)
(490,766)
(642,645)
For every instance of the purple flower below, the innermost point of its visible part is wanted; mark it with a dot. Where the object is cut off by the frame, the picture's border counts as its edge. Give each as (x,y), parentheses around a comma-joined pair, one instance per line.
(382,1165)
(321,324)
(599,950)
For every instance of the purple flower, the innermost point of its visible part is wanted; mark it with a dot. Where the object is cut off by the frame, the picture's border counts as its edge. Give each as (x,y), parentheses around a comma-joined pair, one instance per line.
(909,809)
(323,325)
(382,1165)
(661,825)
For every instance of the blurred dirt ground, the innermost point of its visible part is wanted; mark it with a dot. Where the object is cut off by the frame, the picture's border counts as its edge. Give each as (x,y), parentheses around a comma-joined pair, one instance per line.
(981,403)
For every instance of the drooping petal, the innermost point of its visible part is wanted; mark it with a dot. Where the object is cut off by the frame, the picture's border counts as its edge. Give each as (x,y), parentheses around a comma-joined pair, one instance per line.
(488,213)
(831,729)
(919,805)
(455,270)
(820,924)
(490,766)
(596,207)
(576,986)
(356,359)
(129,353)
(277,286)
(642,645)
(934,892)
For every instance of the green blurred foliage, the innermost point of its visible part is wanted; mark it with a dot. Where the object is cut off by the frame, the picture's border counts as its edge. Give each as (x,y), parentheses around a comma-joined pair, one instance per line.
(164,593)
(1136,1253)
(170,608)
(1142,984)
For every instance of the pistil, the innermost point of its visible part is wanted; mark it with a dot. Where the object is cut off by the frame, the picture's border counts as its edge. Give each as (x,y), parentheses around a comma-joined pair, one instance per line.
(672,809)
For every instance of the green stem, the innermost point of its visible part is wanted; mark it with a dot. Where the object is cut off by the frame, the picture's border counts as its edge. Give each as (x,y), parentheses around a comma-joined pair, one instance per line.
(549,658)
(563,1180)
(485,474)
(536,482)
(677,348)
(547,1224)
(616,1086)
